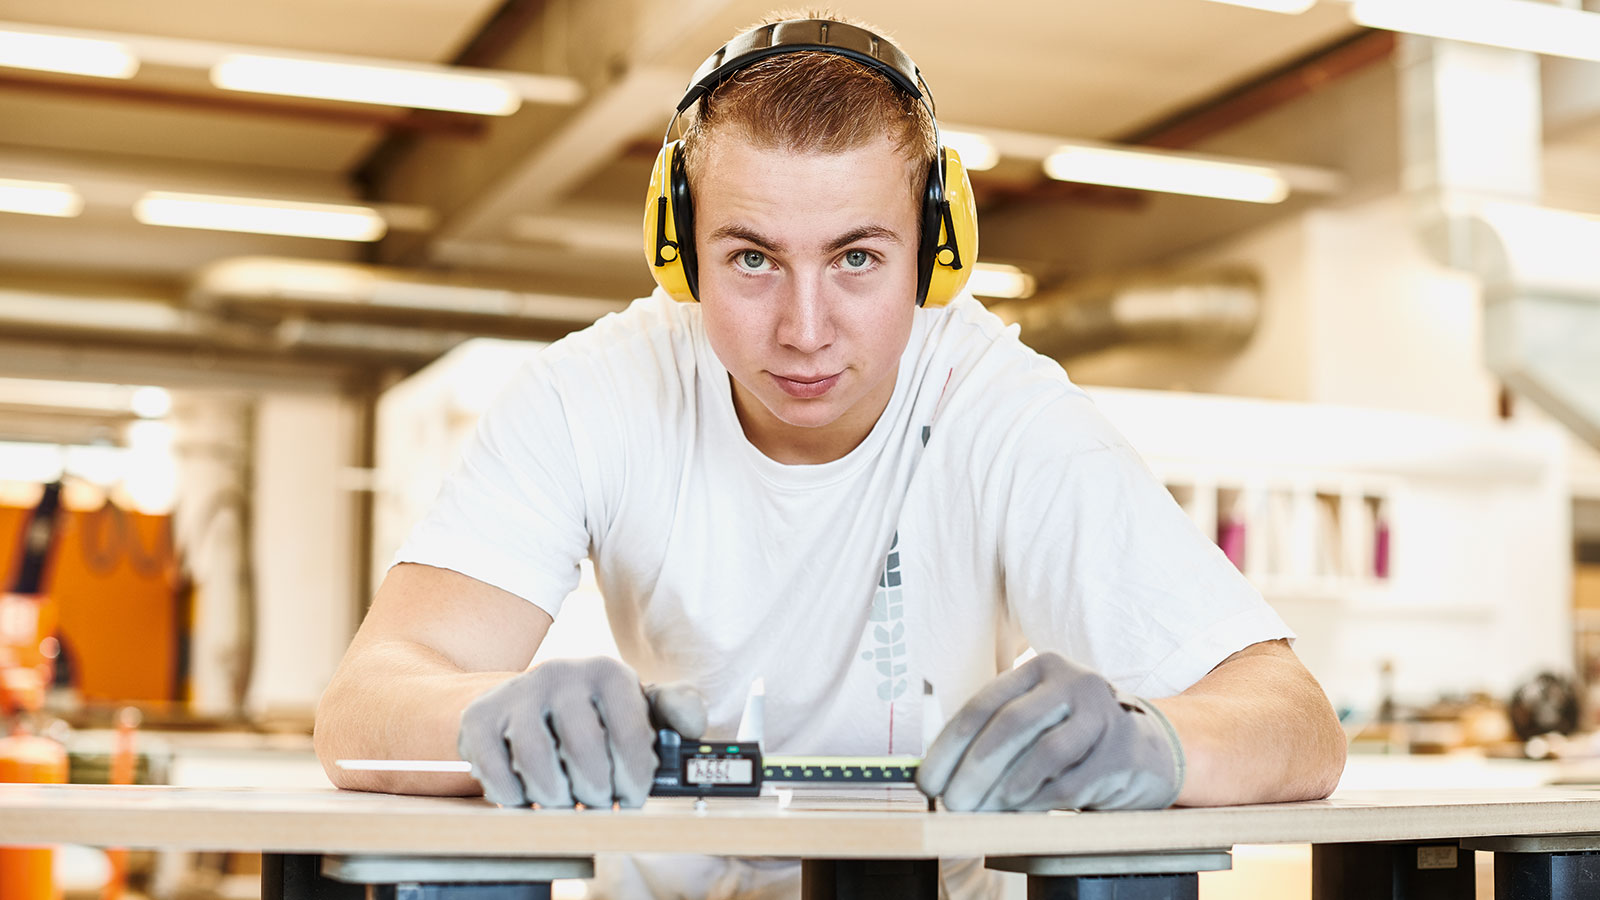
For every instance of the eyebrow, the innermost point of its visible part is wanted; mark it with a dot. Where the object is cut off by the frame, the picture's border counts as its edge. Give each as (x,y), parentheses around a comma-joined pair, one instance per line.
(773,245)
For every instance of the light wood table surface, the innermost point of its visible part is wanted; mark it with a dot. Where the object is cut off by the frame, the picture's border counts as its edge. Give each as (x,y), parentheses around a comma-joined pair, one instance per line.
(866,826)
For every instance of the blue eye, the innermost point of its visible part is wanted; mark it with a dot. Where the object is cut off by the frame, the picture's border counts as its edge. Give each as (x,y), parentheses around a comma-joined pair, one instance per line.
(752,259)
(857,259)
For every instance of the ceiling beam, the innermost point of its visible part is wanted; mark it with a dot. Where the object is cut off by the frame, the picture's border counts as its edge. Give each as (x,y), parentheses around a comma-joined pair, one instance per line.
(634,71)
(591,139)
(1287,83)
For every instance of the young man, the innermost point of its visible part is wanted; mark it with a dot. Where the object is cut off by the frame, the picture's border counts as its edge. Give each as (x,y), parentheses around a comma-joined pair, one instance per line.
(814,477)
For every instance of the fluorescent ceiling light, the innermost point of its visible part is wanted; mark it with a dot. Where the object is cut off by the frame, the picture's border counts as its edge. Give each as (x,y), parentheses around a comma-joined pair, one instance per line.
(1292,7)
(976,151)
(39,198)
(1166,173)
(150,402)
(1514,24)
(70,55)
(390,86)
(1001,281)
(313,220)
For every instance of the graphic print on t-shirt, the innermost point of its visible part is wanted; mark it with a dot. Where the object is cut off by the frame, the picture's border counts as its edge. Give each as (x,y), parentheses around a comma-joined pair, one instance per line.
(887,648)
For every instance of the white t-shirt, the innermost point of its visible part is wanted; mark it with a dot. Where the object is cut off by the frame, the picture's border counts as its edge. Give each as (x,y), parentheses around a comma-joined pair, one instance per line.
(990,508)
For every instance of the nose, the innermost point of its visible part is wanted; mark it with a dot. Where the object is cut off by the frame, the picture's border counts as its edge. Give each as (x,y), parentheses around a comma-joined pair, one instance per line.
(805,323)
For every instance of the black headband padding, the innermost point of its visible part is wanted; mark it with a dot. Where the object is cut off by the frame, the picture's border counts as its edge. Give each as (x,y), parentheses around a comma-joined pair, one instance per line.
(928,236)
(803,34)
(683,223)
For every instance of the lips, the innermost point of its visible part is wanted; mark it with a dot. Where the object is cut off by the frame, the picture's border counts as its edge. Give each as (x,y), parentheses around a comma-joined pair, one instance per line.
(805,387)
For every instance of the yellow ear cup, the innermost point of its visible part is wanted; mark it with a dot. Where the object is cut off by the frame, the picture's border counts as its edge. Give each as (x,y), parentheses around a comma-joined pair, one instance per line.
(662,248)
(946,282)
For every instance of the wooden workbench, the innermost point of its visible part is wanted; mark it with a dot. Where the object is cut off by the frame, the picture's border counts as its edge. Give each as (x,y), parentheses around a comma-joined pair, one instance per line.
(878,825)
(332,821)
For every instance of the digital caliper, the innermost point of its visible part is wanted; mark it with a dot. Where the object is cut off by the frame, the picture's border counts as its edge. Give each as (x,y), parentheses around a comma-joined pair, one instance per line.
(738,769)
(702,768)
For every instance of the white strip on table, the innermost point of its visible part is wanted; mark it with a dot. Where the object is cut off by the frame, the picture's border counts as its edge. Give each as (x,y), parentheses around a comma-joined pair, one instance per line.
(404,765)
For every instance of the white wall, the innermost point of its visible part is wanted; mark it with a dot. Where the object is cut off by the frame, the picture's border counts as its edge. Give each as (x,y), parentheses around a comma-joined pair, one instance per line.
(422,423)
(1389,327)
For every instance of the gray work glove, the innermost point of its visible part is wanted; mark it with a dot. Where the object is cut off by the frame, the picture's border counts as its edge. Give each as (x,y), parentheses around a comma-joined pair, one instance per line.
(573,731)
(1051,734)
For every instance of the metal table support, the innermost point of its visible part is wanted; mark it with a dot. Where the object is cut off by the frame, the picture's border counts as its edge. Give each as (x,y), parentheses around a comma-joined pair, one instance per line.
(869,879)
(1131,876)
(381,877)
(1403,870)
(1546,867)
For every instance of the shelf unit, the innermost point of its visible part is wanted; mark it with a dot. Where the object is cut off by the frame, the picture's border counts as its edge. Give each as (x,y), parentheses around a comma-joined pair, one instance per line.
(1307,535)
(1437,545)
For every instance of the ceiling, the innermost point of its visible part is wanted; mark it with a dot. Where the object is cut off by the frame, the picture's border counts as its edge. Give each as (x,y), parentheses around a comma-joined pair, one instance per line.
(547,200)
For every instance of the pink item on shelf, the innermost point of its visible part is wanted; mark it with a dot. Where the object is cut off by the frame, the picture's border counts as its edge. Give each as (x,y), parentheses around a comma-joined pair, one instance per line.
(1230,537)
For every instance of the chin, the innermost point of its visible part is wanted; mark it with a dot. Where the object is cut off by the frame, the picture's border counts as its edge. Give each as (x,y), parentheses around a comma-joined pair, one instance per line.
(817,418)
(804,413)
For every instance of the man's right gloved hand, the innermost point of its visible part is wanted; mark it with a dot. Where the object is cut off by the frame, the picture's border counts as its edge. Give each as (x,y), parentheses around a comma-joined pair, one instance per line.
(573,731)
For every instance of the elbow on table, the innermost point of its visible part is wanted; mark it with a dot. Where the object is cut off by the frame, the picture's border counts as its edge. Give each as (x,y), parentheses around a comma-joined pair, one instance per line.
(327,742)
(1328,781)
(1330,754)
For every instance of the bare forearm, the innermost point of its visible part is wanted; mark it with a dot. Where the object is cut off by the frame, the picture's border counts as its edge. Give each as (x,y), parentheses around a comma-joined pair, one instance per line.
(397,700)
(1257,729)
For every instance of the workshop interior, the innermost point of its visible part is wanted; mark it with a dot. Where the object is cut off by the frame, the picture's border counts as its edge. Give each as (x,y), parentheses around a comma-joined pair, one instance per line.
(1331,266)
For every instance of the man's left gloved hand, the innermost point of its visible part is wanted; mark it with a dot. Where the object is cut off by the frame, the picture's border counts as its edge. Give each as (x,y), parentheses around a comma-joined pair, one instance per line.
(1051,734)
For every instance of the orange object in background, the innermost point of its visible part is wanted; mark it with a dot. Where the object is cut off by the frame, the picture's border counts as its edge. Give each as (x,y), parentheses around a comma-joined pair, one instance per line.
(27,654)
(112,596)
(27,873)
(124,756)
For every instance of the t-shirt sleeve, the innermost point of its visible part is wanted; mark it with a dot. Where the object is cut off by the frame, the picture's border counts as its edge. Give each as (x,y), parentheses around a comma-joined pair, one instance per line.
(1102,566)
(511,514)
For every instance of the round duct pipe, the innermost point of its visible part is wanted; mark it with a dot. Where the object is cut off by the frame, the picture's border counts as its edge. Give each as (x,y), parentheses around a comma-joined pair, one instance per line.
(1214,311)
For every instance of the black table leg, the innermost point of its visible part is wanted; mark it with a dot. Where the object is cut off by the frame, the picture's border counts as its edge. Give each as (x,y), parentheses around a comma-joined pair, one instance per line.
(298,876)
(869,879)
(1547,876)
(1544,867)
(1114,887)
(539,891)
(1433,870)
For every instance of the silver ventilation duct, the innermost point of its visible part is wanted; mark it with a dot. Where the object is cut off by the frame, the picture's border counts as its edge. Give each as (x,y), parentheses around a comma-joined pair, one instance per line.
(1214,311)
(1473,144)
(249,285)
(268,308)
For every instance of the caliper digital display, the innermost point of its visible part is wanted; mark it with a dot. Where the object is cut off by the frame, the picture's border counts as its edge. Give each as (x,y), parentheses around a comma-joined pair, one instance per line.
(700,770)
(691,768)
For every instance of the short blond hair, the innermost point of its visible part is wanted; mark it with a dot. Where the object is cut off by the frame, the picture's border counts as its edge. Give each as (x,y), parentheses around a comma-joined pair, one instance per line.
(811,101)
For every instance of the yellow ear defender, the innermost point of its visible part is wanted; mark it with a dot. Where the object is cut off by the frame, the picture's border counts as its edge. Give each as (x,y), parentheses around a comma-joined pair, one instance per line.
(949,232)
(668,212)
(949,241)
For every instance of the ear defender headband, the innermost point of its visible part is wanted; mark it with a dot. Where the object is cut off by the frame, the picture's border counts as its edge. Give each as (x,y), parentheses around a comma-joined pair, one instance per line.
(949,241)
